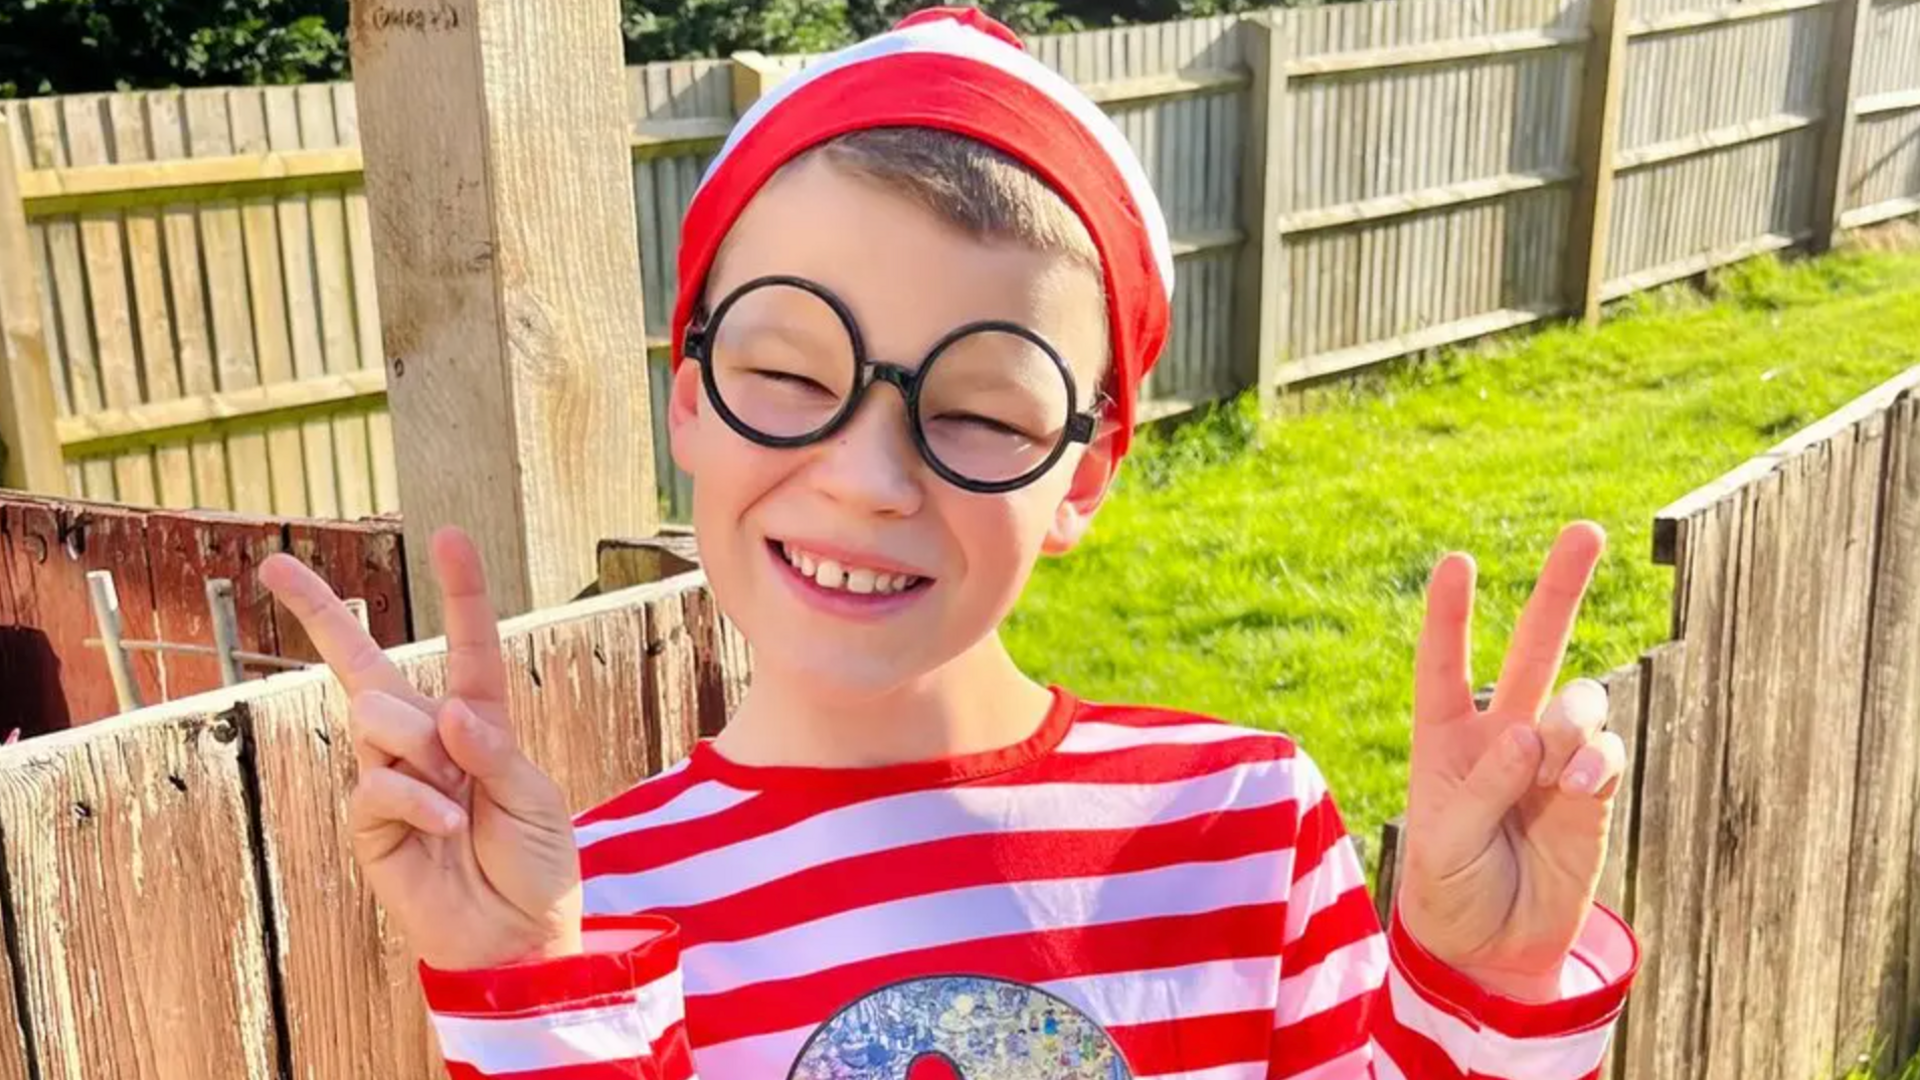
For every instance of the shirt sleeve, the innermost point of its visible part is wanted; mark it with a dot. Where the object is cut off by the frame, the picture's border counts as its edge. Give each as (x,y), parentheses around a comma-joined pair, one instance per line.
(1360,1003)
(614,1012)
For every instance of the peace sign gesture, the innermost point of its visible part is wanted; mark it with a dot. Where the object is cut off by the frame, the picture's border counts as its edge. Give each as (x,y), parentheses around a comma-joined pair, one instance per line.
(1507,808)
(466,844)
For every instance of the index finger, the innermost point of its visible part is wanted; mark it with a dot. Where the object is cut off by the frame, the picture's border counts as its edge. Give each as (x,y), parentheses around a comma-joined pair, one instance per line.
(1532,665)
(356,659)
(476,671)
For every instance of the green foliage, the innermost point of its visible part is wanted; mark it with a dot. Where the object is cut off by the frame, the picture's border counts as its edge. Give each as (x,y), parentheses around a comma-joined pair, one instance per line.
(68,46)
(64,46)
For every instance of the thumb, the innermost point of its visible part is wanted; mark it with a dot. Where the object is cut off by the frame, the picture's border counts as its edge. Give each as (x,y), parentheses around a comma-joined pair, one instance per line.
(487,752)
(1504,773)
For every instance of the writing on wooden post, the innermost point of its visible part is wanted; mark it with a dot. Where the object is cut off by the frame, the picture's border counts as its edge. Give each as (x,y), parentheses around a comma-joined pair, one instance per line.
(498,169)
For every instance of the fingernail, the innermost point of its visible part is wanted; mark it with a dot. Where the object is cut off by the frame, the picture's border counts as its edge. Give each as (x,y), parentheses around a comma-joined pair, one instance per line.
(1580,781)
(452,819)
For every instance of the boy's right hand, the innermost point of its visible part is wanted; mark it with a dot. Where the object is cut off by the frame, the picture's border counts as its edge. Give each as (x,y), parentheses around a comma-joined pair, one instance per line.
(465,843)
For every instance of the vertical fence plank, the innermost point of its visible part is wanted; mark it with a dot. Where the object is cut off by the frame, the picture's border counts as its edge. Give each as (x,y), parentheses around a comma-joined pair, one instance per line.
(267,294)
(137,917)
(353,1006)
(1263,296)
(1875,967)
(159,373)
(187,301)
(362,559)
(28,442)
(298,267)
(224,255)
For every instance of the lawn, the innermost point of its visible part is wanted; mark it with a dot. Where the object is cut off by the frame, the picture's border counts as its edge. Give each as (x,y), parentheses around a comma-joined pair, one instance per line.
(1273,572)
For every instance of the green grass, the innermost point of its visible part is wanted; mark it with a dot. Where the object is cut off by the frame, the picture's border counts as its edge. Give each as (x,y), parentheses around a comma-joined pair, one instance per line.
(1273,572)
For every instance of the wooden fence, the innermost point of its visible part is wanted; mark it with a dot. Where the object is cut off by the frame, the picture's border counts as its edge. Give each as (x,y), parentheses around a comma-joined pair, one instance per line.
(51,678)
(179,900)
(1767,845)
(1345,184)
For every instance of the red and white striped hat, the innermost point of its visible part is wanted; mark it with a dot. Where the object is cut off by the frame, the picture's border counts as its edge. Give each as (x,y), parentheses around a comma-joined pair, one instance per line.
(958,70)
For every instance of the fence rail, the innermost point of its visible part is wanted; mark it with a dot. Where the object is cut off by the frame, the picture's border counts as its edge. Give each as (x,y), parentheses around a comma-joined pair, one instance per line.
(1345,184)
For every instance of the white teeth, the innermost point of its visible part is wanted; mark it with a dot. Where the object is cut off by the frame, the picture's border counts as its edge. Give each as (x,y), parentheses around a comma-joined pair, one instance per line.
(830,574)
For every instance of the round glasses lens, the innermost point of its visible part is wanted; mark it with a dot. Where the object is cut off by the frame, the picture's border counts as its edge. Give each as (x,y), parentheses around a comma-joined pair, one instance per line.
(993,406)
(782,361)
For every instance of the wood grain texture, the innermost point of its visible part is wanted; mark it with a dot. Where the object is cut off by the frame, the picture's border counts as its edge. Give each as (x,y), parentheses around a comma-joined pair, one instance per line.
(31,450)
(187,548)
(509,287)
(1880,887)
(139,926)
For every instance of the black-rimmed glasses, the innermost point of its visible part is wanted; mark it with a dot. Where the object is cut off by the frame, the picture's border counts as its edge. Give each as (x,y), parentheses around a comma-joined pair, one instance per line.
(991,407)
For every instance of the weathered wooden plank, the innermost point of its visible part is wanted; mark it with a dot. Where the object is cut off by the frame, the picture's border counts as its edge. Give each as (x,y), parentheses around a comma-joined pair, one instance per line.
(27,408)
(722,664)
(353,1005)
(334,270)
(223,254)
(268,301)
(185,550)
(66,287)
(108,428)
(1264,292)
(159,373)
(188,304)
(321,497)
(139,927)
(359,559)
(52,547)
(104,258)
(1875,970)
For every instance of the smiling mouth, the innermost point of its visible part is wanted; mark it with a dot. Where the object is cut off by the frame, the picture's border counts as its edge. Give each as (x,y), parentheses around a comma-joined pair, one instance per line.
(836,576)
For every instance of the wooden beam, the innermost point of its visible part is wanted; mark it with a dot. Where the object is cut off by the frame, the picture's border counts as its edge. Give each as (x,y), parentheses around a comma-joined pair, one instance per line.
(1433,337)
(1695,18)
(1171,86)
(1260,320)
(1833,162)
(1891,101)
(1434,52)
(1413,202)
(1597,134)
(498,167)
(1767,127)
(30,455)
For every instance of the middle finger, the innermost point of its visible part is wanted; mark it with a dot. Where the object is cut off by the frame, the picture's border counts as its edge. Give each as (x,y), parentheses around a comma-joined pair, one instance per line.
(1532,664)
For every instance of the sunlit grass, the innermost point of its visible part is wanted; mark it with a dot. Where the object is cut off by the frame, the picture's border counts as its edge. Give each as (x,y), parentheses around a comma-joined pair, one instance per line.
(1273,572)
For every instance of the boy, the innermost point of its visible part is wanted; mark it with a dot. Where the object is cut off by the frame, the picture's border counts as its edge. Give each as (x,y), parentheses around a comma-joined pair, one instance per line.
(904,858)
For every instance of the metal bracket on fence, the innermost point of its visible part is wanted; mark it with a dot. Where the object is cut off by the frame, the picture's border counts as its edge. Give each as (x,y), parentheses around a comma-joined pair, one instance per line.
(225,650)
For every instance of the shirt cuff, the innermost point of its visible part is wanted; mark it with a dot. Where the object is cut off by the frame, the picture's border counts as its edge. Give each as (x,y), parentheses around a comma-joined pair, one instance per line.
(1599,969)
(619,956)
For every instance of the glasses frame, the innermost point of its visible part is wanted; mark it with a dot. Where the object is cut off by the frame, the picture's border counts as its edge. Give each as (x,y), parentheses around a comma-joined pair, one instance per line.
(1080,427)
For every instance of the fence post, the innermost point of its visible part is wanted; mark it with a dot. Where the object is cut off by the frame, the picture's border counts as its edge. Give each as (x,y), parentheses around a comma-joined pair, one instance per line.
(1598,133)
(753,75)
(499,166)
(1261,286)
(1846,26)
(30,455)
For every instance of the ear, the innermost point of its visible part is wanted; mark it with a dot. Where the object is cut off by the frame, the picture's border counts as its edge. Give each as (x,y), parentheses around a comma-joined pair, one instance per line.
(684,414)
(1092,479)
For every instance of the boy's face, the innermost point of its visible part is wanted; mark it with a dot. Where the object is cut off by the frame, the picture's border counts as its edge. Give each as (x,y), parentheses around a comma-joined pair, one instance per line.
(864,497)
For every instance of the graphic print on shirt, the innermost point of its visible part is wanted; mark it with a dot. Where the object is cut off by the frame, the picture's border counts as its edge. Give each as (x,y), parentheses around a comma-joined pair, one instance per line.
(959,1027)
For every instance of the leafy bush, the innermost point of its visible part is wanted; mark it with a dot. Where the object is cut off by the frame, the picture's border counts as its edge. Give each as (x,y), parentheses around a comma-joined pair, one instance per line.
(68,46)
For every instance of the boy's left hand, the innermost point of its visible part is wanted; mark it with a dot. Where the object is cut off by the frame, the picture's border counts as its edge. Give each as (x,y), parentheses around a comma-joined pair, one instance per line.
(1507,808)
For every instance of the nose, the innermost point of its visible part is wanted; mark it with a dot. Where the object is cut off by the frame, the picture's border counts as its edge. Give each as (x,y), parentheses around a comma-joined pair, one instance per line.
(870,464)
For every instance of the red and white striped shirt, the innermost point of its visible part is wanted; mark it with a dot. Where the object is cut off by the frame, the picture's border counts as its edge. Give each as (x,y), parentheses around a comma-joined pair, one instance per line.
(1128,893)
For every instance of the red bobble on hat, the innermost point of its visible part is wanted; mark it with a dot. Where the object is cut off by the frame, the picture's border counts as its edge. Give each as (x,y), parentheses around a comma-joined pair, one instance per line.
(957,70)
